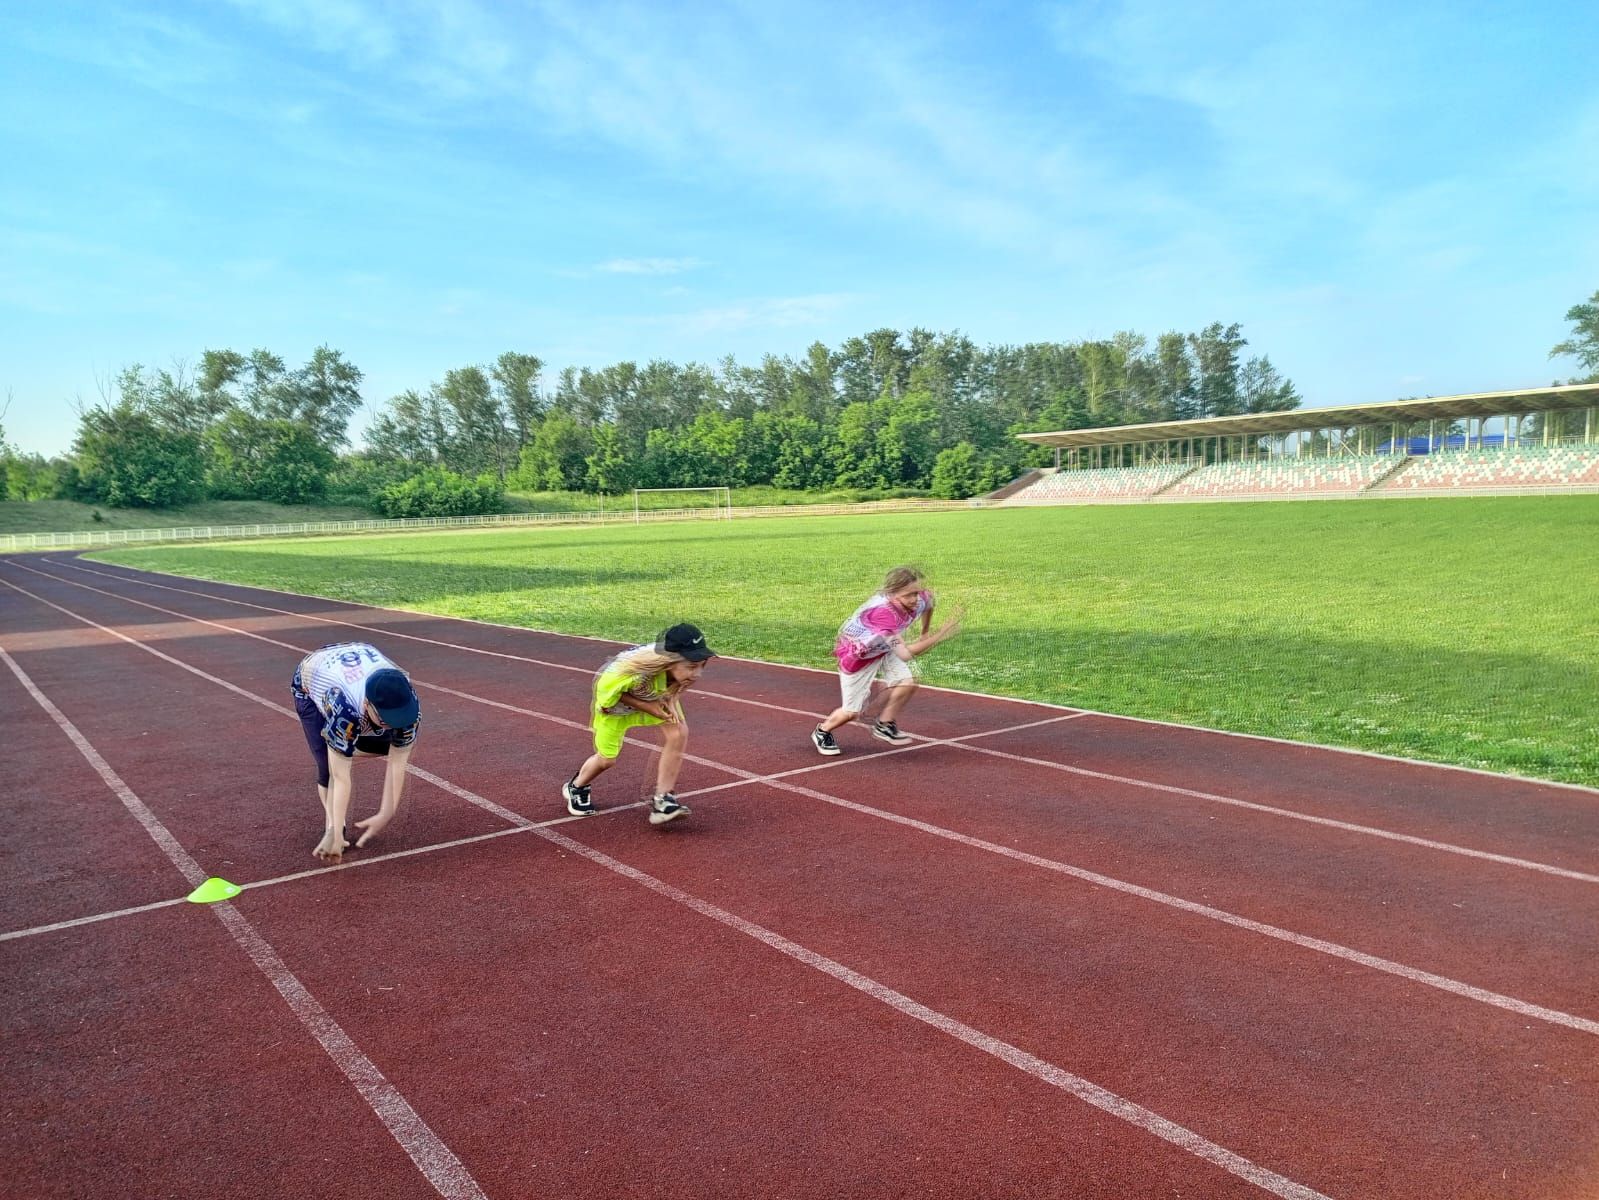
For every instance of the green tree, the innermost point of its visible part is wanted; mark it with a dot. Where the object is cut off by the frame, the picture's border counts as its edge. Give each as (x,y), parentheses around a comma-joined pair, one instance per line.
(231,380)
(855,457)
(410,430)
(609,468)
(126,459)
(712,453)
(323,395)
(557,458)
(1262,389)
(907,444)
(253,458)
(803,457)
(1216,349)
(955,472)
(1583,344)
(170,397)
(516,380)
(813,392)
(478,438)
(1175,365)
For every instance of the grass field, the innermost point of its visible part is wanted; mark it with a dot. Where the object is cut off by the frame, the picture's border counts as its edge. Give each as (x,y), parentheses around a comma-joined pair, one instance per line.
(1458,630)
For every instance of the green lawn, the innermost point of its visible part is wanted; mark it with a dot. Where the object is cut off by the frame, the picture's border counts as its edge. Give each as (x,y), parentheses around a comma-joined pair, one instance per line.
(1460,630)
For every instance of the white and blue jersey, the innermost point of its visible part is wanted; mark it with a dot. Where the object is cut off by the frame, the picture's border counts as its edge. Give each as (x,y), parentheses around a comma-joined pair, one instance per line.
(332,680)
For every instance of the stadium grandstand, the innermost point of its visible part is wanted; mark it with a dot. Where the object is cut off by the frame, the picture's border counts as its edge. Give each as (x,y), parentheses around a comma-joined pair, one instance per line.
(1528,441)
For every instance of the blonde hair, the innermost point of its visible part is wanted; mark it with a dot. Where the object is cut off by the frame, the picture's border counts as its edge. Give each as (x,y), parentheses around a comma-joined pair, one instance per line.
(642,664)
(902,577)
(646,661)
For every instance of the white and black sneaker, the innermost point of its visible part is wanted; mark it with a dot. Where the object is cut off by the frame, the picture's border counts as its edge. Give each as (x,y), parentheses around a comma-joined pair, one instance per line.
(825,742)
(889,732)
(578,802)
(664,808)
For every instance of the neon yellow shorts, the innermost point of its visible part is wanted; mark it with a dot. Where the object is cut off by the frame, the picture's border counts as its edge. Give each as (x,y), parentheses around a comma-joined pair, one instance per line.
(609,730)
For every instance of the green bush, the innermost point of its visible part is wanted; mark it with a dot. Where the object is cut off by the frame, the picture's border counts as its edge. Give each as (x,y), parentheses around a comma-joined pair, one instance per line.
(126,460)
(437,492)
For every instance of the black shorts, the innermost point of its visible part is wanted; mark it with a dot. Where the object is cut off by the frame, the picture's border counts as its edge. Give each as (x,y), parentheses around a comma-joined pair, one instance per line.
(311,723)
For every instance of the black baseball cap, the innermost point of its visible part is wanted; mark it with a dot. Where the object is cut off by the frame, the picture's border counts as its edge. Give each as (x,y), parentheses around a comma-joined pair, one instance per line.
(686,640)
(390,692)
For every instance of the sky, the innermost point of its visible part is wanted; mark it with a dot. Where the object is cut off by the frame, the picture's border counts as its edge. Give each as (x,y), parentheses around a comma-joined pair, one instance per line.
(1391,198)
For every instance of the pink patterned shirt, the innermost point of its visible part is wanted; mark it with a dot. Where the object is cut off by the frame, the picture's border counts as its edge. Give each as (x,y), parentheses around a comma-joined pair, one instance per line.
(865,636)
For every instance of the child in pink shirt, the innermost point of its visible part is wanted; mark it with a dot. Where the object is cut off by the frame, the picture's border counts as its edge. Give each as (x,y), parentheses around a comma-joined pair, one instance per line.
(871,645)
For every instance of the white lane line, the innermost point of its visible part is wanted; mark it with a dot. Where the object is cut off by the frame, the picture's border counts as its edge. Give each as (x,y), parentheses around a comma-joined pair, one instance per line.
(114,914)
(959,743)
(514,818)
(446,1172)
(134,575)
(489,805)
(1090,1093)
(432,1157)
(1455,987)
(349,864)
(922,743)
(1348,954)
(1348,827)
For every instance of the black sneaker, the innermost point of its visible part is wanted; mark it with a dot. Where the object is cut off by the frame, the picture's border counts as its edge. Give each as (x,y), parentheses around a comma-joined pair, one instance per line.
(577,799)
(665,808)
(825,742)
(889,732)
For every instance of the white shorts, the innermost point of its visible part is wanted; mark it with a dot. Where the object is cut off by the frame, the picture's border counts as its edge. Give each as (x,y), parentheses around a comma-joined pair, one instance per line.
(857,685)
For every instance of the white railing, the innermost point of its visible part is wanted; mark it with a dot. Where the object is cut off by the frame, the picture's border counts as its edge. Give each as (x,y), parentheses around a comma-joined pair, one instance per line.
(217,533)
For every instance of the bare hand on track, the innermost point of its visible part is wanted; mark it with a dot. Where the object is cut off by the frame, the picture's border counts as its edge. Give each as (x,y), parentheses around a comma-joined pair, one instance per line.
(332,846)
(371,827)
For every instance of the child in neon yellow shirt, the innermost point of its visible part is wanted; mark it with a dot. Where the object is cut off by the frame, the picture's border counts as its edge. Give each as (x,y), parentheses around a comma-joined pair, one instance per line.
(639,687)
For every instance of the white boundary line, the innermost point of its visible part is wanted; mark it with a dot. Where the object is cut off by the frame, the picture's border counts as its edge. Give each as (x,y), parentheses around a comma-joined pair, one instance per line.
(525,629)
(432,1157)
(958,742)
(308,873)
(1040,1069)
(446,1172)
(1333,949)
(498,810)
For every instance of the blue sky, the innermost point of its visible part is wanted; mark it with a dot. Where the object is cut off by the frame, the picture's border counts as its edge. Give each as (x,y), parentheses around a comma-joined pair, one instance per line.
(1391,198)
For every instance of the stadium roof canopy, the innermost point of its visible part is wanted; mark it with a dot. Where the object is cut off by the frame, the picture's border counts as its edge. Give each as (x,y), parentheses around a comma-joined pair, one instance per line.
(1405,412)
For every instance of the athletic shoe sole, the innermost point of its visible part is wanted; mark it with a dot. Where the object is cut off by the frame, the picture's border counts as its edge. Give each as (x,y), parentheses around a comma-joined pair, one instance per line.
(903,739)
(661,818)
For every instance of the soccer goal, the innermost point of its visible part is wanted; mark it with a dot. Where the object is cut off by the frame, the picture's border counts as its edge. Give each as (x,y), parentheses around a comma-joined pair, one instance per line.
(682,502)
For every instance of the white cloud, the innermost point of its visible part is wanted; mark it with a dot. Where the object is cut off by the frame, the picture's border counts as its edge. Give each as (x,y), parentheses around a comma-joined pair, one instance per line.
(349,27)
(648,266)
(779,312)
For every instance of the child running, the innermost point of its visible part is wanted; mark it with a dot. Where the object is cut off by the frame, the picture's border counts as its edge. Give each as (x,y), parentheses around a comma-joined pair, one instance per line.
(642,686)
(871,645)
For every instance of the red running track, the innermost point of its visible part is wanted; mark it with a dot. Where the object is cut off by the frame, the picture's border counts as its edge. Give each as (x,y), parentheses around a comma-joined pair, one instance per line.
(1039,953)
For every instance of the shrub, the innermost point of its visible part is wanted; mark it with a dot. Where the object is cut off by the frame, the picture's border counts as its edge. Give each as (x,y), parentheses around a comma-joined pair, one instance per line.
(437,492)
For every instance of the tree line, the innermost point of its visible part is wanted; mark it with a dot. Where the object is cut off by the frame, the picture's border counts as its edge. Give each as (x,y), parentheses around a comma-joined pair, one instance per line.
(889,411)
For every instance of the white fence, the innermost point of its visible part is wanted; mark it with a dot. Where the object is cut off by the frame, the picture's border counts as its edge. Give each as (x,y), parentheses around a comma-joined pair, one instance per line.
(219,533)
